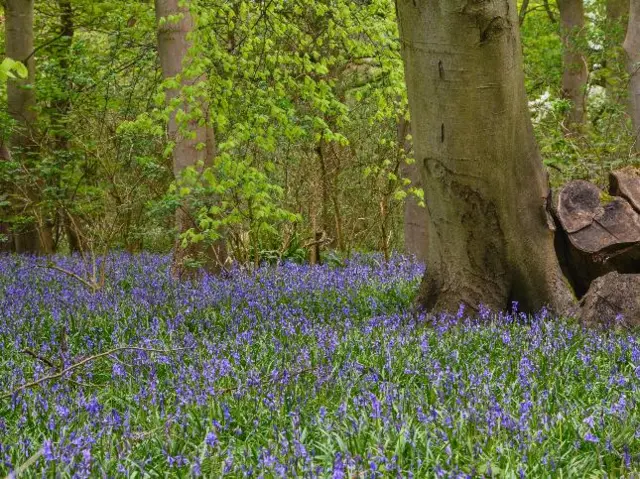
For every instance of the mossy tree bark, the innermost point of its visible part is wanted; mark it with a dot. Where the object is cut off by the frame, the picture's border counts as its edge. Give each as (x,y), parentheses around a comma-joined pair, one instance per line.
(490,241)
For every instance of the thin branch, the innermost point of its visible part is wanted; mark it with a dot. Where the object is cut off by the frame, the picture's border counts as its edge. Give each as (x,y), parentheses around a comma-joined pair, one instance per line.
(34,355)
(94,287)
(523,11)
(550,14)
(85,361)
(44,45)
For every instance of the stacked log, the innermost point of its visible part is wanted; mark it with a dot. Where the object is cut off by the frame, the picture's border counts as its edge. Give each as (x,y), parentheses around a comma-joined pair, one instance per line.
(599,233)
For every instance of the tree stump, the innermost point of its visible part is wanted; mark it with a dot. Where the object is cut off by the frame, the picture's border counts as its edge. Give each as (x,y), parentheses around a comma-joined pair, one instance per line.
(612,301)
(599,234)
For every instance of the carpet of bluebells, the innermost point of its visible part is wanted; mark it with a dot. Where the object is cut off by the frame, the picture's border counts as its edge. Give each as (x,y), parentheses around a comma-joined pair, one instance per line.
(298,371)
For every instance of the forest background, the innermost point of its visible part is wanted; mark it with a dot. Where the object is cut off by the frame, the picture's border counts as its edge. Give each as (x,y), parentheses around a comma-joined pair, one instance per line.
(302,105)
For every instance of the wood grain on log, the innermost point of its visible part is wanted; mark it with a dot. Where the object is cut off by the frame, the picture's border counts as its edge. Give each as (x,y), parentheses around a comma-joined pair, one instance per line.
(595,238)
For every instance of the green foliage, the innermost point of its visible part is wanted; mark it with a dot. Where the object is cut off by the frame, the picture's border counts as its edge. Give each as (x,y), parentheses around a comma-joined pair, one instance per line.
(605,142)
(12,69)
(304,99)
(283,77)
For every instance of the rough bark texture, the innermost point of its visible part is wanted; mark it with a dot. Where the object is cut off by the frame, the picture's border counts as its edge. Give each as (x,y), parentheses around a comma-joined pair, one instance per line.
(173,46)
(597,237)
(574,73)
(612,301)
(632,50)
(415,216)
(21,99)
(490,241)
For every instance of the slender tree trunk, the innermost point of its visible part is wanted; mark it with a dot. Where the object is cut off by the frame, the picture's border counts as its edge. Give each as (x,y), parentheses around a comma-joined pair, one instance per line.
(173,46)
(415,216)
(615,30)
(324,187)
(523,12)
(574,73)
(7,243)
(61,108)
(485,186)
(21,99)
(384,227)
(549,11)
(74,236)
(632,49)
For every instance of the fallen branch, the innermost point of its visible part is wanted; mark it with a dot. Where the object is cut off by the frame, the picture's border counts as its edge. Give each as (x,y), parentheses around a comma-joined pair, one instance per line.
(34,355)
(92,284)
(85,361)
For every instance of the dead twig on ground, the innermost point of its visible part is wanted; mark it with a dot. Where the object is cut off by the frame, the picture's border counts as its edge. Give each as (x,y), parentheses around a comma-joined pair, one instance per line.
(85,361)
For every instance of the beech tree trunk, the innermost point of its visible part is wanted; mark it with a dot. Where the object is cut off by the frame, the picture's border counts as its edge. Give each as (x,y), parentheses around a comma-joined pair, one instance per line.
(21,99)
(173,46)
(415,216)
(574,73)
(490,240)
(632,50)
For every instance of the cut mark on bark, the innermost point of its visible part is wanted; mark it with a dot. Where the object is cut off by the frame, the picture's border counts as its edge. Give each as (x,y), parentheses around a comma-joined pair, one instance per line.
(490,16)
(442,133)
(494,29)
(441,70)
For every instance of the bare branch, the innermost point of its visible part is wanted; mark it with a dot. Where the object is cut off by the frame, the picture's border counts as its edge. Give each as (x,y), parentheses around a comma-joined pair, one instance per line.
(93,286)
(35,355)
(85,361)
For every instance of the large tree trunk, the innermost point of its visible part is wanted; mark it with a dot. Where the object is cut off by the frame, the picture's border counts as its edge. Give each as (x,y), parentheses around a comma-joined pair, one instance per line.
(574,73)
(415,216)
(173,46)
(21,100)
(485,187)
(632,49)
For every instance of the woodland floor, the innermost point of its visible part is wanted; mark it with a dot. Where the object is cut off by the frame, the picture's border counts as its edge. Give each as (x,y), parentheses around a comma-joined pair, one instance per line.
(299,372)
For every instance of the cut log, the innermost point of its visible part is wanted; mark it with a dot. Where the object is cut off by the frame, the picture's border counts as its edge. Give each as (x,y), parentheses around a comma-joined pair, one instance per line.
(626,183)
(612,301)
(578,205)
(596,237)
